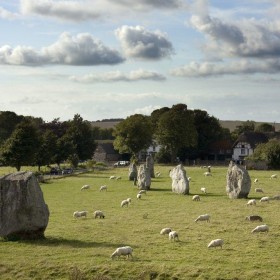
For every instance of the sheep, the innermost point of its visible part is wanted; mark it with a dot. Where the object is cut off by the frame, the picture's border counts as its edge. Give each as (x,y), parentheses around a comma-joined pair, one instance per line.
(204,217)
(165,231)
(265,199)
(262,228)
(123,251)
(216,243)
(112,177)
(189,179)
(273,176)
(259,190)
(173,235)
(78,214)
(158,174)
(126,202)
(251,202)
(207,174)
(118,178)
(196,197)
(276,197)
(99,214)
(142,191)
(253,218)
(85,187)
(103,188)
(139,196)
(203,190)
(256,180)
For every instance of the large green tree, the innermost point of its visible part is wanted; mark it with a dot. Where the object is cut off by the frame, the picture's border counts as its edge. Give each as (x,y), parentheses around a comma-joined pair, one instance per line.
(133,134)
(176,130)
(21,147)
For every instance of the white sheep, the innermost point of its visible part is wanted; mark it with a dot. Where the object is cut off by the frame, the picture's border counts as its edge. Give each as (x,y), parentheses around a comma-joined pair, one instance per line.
(205,217)
(273,176)
(139,196)
(189,179)
(265,199)
(196,197)
(173,235)
(256,180)
(112,177)
(207,174)
(253,218)
(142,191)
(126,202)
(85,187)
(122,251)
(262,228)
(165,231)
(99,214)
(251,202)
(103,188)
(78,214)
(216,243)
(158,174)
(203,190)
(259,190)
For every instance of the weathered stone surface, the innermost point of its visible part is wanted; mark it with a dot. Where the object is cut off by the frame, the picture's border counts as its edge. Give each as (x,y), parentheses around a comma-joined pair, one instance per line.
(144,178)
(132,172)
(238,181)
(150,165)
(180,182)
(23,211)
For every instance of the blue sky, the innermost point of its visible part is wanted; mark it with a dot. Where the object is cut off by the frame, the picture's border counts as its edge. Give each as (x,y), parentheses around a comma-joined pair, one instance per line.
(114,58)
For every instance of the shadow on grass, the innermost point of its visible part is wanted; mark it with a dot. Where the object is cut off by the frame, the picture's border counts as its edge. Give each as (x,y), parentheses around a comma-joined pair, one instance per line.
(74,243)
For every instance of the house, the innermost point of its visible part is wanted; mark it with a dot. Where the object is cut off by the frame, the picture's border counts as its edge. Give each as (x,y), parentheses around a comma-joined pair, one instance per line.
(245,145)
(105,152)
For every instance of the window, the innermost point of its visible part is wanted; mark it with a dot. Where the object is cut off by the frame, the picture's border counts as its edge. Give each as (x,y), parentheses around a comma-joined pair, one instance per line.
(242,151)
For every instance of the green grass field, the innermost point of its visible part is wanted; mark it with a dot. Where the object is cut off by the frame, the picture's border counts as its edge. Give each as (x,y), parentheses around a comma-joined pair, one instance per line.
(81,248)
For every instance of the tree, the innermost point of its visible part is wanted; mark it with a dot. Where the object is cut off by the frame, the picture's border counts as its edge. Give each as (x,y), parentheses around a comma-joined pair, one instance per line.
(133,134)
(265,127)
(176,130)
(248,126)
(21,147)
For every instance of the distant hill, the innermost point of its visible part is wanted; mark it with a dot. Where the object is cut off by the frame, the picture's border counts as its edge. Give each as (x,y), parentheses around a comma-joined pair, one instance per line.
(231,125)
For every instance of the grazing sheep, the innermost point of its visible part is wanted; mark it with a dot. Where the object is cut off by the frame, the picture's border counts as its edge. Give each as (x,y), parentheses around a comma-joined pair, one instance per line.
(173,235)
(251,202)
(207,174)
(259,190)
(99,214)
(216,243)
(262,228)
(204,217)
(142,191)
(265,199)
(158,174)
(85,187)
(273,176)
(126,202)
(256,180)
(122,251)
(78,214)
(203,190)
(196,197)
(189,179)
(165,231)
(253,218)
(103,188)
(112,177)
(139,196)
(276,197)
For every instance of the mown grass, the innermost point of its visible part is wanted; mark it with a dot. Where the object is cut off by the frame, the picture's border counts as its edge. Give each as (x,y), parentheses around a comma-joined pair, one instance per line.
(81,248)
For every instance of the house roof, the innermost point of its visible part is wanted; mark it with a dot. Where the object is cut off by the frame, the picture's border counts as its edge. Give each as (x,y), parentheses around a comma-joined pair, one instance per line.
(107,148)
(253,138)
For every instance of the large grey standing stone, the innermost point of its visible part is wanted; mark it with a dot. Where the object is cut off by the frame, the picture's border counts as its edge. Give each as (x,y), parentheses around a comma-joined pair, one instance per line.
(180,182)
(132,172)
(23,211)
(150,165)
(238,181)
(144,178)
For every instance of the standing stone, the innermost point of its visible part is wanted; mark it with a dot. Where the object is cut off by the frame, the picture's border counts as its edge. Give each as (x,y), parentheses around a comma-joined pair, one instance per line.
(143,178)
(132,172)
(180,182)
(150,165)
(238,181)
(23,212)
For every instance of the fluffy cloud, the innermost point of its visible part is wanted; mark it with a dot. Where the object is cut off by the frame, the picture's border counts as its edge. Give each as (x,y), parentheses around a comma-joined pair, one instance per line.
(137,42)
(118,76)
(4,14)
(68,50)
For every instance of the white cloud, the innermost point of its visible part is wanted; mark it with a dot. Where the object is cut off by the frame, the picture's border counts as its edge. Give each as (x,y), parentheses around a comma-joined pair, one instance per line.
(82,49)
(5,14)
(118,76)
(139,43)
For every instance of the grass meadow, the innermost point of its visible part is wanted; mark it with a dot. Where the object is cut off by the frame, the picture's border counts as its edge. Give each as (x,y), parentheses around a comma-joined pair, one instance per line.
(81,248)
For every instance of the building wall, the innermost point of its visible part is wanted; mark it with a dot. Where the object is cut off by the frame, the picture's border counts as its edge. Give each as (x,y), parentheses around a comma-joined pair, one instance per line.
(241,150)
